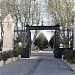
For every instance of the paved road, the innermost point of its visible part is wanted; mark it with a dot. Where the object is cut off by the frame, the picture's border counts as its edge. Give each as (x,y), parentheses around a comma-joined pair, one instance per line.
(40,63)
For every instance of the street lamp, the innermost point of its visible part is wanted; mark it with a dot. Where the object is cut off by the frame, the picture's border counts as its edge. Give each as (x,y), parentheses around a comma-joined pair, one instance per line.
(61,32)
(65,30)
(61,29)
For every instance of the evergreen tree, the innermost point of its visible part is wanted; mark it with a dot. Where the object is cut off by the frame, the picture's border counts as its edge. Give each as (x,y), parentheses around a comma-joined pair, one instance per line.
(41,42)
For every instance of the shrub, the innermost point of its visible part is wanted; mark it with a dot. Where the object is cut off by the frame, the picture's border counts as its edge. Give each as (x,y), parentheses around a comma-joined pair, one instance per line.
(0,56)
(41,42)
(17,48)
(69,55)
(10,54)
(5,56)
(15,53)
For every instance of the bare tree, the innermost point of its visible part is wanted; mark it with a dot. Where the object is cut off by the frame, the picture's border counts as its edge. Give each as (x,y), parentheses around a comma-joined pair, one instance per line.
(24,12)
(61,10)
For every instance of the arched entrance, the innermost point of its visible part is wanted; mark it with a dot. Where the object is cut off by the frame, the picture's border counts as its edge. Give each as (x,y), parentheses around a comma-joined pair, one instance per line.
(26,51)
(58,51)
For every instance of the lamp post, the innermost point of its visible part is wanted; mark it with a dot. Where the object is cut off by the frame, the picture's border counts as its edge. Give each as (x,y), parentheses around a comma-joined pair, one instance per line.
(65,30)
(61,30)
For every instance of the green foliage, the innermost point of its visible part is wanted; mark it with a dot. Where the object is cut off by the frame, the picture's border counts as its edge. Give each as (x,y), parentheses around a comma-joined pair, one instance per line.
(17,48)
(15,53)
(41,42)
(66,42)
(9,54)
(5,56)
(0,56)
(69,55)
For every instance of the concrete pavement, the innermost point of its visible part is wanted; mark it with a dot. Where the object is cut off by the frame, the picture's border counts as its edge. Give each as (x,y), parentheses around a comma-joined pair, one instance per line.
(40,63)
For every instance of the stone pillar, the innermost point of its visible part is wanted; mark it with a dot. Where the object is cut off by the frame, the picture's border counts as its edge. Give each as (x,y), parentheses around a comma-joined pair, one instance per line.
(73,33)
(8,42)
(74,37)
(73,10)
